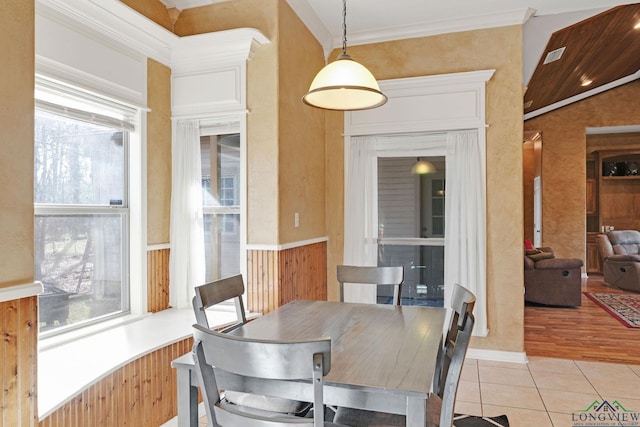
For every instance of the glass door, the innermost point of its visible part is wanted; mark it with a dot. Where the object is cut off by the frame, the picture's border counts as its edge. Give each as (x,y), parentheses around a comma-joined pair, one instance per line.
(411,224)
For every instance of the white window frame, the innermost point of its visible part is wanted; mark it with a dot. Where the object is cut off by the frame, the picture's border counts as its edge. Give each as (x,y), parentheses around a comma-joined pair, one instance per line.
(135,227)
(225,125)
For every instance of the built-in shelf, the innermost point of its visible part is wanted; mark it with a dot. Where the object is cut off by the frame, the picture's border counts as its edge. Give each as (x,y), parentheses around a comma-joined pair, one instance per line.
(620,165)
(606,178)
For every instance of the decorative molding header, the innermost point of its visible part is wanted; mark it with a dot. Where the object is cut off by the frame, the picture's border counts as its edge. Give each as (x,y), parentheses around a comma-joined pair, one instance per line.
(208,70)
(421,104)
(202,52)
(127,29)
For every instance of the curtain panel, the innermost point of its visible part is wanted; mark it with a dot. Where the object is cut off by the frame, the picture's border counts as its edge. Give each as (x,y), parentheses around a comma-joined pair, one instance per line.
(465,221)
(187,258)
(360,220)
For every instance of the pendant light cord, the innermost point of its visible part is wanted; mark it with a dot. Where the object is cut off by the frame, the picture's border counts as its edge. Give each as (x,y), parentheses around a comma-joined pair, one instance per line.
(344,27)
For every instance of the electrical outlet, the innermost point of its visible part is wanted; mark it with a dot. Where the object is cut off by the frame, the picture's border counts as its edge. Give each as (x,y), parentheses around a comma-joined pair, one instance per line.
(296,220)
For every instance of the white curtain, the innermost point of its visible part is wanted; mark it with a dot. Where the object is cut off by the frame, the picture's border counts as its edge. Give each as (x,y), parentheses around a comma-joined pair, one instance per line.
(465,224)
(187,260)
(361,222)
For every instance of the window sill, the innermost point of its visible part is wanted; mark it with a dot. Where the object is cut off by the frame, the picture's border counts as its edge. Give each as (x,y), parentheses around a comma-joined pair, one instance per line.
(69,363)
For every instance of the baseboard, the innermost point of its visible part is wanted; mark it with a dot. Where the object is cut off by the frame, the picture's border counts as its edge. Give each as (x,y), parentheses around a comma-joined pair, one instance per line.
(496,355)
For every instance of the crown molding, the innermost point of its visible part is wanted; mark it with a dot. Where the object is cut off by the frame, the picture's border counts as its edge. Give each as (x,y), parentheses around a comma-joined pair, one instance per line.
(211,50)
(123,28)
(115,22)
(432,28)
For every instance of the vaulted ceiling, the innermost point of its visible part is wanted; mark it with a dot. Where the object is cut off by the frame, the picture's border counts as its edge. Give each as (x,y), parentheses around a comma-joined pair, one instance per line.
(590,56)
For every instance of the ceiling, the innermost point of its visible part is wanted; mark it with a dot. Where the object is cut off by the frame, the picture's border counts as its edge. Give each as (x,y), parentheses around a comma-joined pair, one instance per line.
(601,44)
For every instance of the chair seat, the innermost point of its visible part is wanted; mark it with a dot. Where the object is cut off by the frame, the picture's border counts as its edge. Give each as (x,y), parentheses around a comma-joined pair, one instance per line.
(232,407)
(359,417)
(268,403)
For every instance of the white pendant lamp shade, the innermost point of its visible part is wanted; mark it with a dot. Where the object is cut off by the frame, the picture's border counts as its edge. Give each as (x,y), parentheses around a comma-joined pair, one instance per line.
(422,167)
(344,85)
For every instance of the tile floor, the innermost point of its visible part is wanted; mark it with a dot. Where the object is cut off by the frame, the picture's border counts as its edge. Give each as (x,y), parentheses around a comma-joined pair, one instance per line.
(545,392)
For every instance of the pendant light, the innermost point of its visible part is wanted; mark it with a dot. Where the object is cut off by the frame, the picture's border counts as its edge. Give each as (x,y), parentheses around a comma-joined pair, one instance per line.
(344,84)
(422,167)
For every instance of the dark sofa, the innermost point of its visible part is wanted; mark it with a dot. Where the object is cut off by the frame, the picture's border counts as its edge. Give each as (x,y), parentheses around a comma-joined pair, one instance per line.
(620,253)
(553,281)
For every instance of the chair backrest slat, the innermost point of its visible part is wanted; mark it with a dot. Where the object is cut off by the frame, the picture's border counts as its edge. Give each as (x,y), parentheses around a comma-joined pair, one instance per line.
(454,371)
(452,352)
(218,291)
(269,360)
(373,275)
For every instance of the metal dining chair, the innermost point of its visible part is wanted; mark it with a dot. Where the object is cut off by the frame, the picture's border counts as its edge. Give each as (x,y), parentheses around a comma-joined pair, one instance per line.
(372,275)
(462,302)
(218,291)
(244,362)
(221,290)
(451,354)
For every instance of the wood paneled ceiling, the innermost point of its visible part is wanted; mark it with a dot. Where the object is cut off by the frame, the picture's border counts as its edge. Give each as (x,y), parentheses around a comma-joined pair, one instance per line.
(602,49)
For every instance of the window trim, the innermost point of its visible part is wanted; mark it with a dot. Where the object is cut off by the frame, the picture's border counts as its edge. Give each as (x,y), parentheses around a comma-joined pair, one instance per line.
(135,251)
(224,125)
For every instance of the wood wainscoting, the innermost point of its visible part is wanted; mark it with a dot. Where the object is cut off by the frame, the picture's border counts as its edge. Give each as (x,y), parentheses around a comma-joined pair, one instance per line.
(139,394)
(18,362)
(276,277)
(157,279)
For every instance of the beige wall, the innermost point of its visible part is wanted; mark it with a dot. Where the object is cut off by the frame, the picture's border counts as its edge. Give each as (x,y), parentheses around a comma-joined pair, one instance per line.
(563,162)
(158,152)
(16,142)
(500,49)
(301,132)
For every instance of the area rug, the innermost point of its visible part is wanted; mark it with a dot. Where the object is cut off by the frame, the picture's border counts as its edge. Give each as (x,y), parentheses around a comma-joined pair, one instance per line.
(623,307)
(471,421)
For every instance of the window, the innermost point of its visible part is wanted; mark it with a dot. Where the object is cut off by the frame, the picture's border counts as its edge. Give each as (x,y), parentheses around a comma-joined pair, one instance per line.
(220,156)
(411,228)
(81,206)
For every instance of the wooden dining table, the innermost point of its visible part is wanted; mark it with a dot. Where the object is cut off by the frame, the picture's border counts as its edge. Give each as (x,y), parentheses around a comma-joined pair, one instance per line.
(383,357)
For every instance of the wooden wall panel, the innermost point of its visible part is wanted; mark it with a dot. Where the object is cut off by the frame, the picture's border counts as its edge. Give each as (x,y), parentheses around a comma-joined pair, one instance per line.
(139,394)
(157,280)
(275,278)
(18,362)
(620,203)
(262,273)
(303,273)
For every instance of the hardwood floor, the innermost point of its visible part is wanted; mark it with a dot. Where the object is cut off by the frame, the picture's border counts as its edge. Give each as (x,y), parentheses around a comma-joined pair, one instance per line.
(583,333)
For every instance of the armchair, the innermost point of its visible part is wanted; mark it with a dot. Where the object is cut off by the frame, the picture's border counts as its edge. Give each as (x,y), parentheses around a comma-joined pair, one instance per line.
(553,281)
(620,252)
